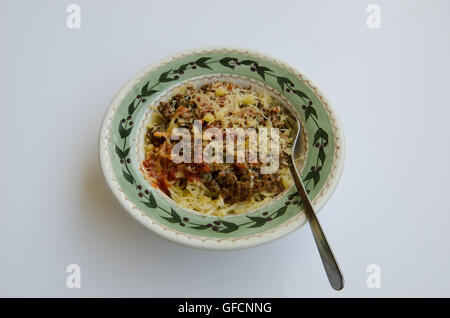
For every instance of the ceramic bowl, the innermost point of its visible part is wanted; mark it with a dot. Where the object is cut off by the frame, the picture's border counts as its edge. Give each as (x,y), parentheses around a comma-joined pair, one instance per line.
(121,148)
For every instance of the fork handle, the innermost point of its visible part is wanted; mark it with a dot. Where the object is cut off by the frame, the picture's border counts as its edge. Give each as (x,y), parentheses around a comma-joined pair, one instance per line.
(332,270)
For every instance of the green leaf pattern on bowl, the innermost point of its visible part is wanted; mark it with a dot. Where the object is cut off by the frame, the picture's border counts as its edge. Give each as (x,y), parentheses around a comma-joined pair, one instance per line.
(126,167)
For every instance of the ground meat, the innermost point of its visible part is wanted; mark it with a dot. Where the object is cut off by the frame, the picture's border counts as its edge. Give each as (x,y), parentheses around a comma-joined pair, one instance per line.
(226,178)
(155,140)
(258,185)
(227,194)
(213,186)
(272,183)
(226,181)
(192,104)
(237,183)
(206,88)
(197,113)
(179,100)
(168,109)
(242,191)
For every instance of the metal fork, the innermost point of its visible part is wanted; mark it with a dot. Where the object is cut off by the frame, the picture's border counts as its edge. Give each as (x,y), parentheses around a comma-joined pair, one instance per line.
(332,270)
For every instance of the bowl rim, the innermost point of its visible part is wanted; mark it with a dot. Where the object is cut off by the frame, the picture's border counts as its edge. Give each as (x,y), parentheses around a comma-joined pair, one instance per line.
(212,243)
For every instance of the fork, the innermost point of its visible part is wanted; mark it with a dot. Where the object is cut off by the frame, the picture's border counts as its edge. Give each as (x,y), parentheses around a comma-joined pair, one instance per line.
(330,264)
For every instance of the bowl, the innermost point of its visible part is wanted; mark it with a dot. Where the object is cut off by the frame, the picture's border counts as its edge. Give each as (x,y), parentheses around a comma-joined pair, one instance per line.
(123,128)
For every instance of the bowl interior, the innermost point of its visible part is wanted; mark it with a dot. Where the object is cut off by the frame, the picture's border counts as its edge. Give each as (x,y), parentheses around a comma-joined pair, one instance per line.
(197,82)
(130,110)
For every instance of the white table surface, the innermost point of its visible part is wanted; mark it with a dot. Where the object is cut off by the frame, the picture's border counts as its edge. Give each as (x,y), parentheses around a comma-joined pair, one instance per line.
(390,87)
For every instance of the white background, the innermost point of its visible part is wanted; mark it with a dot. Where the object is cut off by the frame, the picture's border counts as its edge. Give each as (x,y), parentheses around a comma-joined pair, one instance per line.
(390,87)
